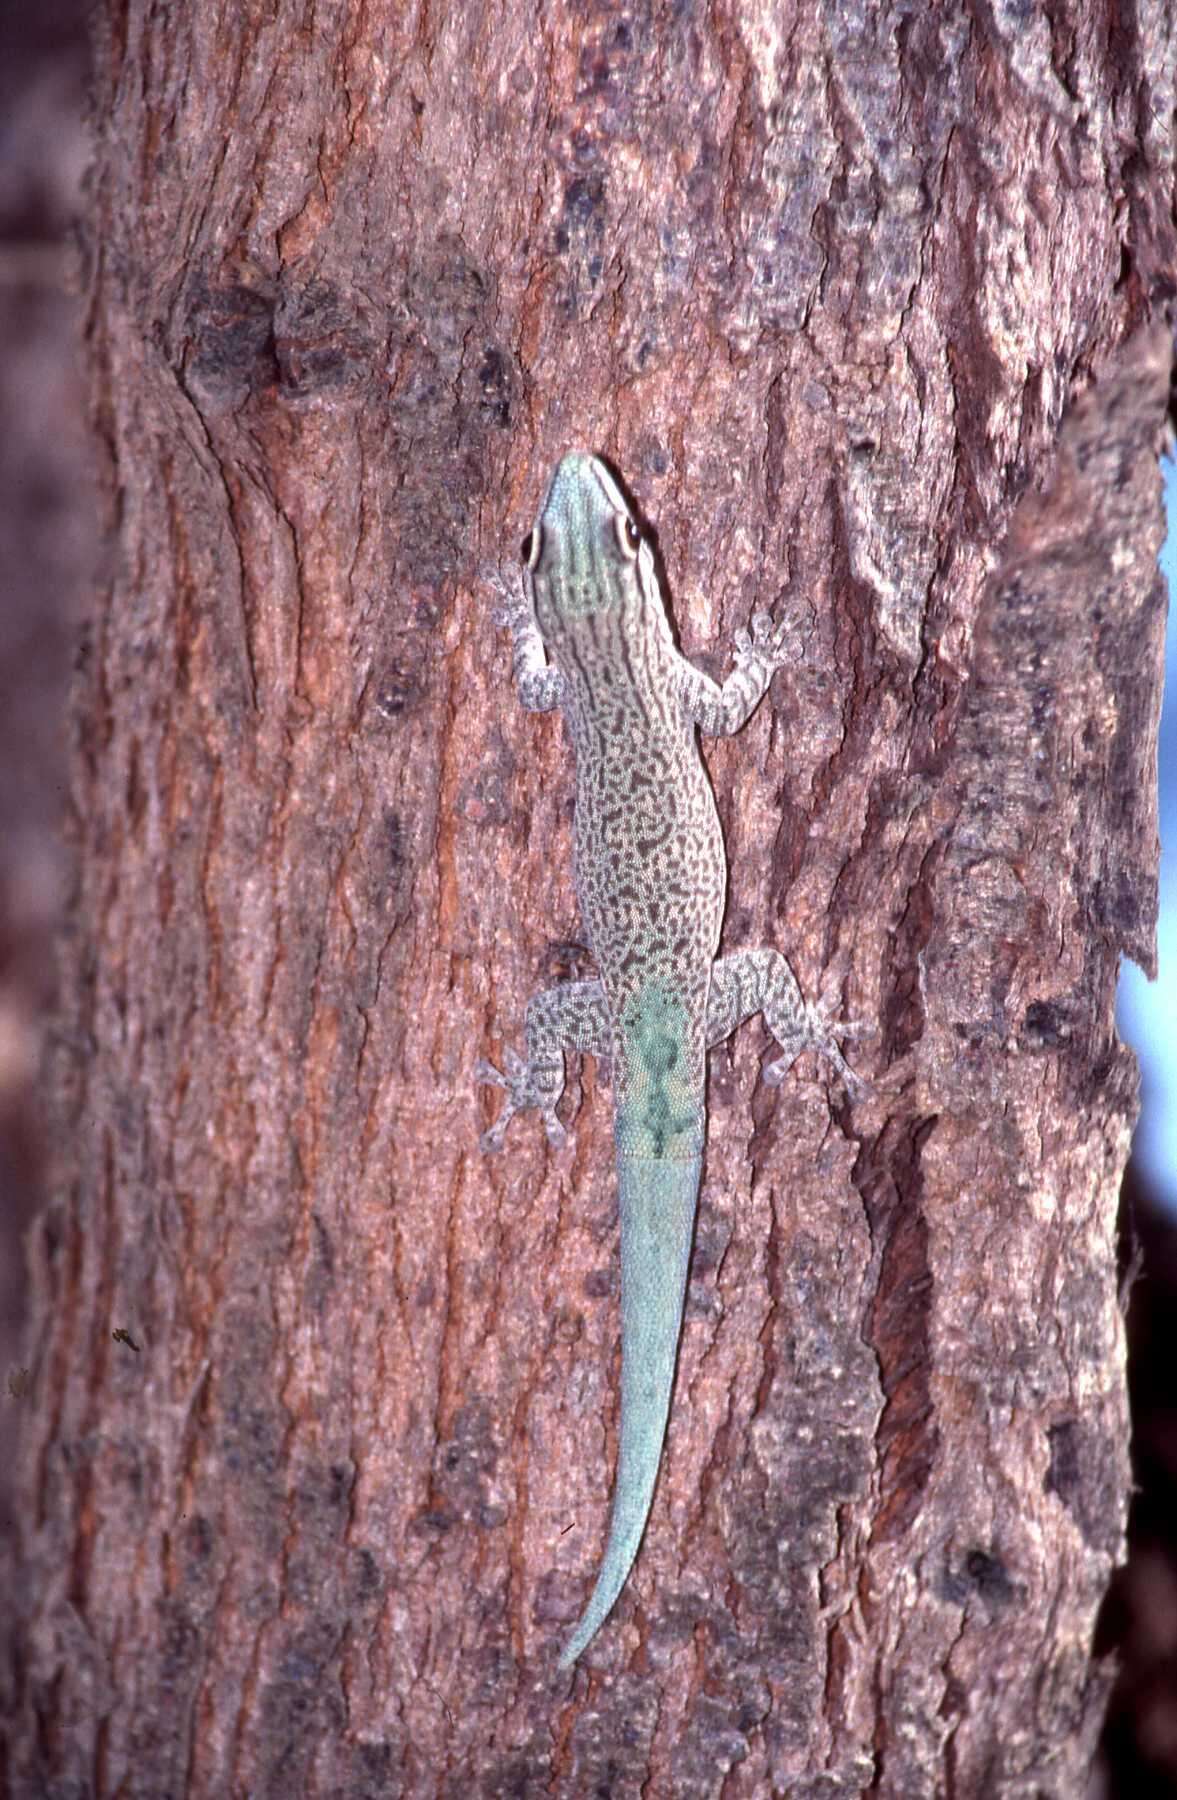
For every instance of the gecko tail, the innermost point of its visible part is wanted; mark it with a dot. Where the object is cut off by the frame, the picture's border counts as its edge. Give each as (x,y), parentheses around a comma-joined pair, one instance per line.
(657,1204)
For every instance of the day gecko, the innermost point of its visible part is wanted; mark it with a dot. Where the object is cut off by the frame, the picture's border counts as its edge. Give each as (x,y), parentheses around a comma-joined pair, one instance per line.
(651,879)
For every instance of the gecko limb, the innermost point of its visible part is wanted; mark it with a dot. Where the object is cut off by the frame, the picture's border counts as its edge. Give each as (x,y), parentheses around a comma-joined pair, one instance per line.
(539,685)
(752,981)
(572,1016)
(720,711)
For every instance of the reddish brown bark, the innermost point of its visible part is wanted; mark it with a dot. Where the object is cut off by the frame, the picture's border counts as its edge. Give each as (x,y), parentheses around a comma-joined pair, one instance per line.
(823,289)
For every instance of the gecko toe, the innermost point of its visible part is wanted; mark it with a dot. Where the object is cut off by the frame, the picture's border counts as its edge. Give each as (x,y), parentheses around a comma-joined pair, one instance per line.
(557,1135)
(856,1086)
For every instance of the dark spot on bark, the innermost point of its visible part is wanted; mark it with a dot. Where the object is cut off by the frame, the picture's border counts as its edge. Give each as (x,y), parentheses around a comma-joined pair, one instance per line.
(371,1776)
(230,337)
(366,1581)
(1116,905)
(343,1478)
(322,342)
(584,198)
(988,1575)
(1086,1474)
(495,381)
(1063,1473)
(399,690)
(464,1462)
(981,1573)
(180,1644)
(394,841)
(434,1520)
(1046,1025)
(199,1538)
(297,1667)
(1042,706)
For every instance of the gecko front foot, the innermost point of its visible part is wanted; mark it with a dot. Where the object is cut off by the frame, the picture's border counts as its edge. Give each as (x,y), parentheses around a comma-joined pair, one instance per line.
(523,1092)
(762,648)
(510,607)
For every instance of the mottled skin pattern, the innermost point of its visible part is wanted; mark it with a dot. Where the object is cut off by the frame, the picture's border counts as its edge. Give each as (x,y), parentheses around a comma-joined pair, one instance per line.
(651,879)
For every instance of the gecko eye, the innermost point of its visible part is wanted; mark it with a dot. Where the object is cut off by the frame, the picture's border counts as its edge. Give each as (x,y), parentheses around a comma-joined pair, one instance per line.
(628,536)
(529,548)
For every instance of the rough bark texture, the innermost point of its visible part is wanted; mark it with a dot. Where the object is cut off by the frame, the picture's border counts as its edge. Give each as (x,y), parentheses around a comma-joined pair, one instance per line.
(824,290)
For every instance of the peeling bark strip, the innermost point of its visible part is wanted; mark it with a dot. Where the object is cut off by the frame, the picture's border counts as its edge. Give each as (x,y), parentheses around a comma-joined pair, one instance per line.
(822,281)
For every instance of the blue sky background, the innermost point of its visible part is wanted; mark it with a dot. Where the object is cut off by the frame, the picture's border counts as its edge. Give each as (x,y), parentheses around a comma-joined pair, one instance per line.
(1147,1010)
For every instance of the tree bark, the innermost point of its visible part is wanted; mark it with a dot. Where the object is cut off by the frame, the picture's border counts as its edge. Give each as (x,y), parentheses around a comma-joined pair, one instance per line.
(823,289)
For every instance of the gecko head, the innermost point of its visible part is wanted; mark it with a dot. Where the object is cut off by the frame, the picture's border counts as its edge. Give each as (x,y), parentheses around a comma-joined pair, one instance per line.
(586,553)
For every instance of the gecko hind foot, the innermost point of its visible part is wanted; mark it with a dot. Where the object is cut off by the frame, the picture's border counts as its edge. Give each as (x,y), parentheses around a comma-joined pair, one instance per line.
(817,1032)
(522,1096)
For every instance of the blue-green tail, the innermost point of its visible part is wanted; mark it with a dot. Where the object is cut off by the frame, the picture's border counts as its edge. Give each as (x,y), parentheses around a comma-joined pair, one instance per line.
(657,1203)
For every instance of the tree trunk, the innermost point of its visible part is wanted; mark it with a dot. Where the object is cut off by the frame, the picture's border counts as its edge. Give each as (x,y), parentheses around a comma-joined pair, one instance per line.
(317,1460)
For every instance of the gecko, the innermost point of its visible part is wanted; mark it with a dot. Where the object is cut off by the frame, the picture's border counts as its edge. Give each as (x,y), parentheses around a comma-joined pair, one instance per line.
(591,635)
